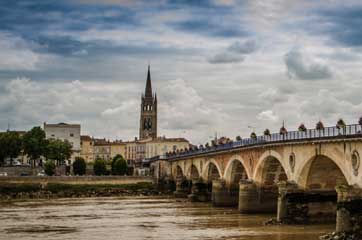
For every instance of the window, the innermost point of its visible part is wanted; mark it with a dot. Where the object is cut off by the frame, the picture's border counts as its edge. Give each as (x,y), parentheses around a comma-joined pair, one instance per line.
(72,135)
(53,135)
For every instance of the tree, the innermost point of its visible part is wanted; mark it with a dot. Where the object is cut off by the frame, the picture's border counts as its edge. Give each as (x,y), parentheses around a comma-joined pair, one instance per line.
(79,166)
(319,126)
(266,132)
(2,149)
(99,167)
(10,145)
(253,135)
(58,150)
(119,165)
(34,143)
(49,167)
(340,123)
(302,128)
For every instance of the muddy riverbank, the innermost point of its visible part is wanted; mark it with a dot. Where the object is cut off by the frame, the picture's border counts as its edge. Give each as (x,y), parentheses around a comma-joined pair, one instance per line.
(9,191)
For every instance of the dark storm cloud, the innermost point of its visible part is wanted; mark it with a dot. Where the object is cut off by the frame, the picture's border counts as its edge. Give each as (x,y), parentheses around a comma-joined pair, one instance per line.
(342,24)
(211,27)
(302,68)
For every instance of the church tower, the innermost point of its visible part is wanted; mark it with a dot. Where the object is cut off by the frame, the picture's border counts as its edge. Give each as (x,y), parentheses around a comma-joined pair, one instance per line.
(148,121)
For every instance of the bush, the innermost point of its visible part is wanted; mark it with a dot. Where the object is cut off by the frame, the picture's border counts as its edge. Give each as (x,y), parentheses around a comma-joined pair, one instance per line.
(119,165)
(79,166)
(99,167)
(49,168)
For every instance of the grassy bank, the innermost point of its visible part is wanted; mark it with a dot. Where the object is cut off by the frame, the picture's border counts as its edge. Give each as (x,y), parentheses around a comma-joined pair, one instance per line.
(50,190)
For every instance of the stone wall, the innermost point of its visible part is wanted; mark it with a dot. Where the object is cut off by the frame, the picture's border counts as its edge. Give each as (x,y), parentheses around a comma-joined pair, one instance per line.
(77,180)
(18,171)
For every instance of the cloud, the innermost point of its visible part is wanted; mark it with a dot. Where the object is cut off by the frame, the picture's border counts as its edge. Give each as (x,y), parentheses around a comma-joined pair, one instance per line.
(16,53)
(300,66)
(184,109)
(341,23)
(235,53)
(267,115)
(30,103)
(273,95)
(245,47)
(226,57)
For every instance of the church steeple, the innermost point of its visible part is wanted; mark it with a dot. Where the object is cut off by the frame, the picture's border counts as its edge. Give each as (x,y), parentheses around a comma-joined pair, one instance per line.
(148,91)
(148,119)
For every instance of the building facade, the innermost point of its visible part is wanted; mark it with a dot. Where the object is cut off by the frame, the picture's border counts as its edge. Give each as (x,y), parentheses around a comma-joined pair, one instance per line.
(87,148)
(101,149)
(65,132)
(148,117)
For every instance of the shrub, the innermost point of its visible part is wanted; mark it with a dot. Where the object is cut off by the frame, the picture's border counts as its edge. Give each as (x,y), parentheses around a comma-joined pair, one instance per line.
(119,165)
(79,166)
(99,167)
(49,168)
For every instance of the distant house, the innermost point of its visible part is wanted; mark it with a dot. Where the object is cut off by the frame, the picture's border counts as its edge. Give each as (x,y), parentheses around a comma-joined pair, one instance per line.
(68,132)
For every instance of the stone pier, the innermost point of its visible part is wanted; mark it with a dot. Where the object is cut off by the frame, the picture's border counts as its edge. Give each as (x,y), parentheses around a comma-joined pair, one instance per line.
(284,189)
(298,206)
(199,191)
(182,187)
(223,195)
(256,199)
(349,210)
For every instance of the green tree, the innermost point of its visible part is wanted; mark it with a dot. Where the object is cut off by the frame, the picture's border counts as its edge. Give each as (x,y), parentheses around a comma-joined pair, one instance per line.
(34,143)
(49,167)
(2,149)
(58,150)
(119,165)
(99,167)
(79,166)
(10,145)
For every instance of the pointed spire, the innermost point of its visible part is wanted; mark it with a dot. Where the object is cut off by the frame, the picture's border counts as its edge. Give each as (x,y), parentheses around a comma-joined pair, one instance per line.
(148,92)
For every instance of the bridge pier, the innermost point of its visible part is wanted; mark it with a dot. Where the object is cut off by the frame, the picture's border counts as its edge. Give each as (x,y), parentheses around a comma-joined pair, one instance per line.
(349,212)
(285,189)
(199,191)
(256,199)
(299,206)
(182,187)
(223,195)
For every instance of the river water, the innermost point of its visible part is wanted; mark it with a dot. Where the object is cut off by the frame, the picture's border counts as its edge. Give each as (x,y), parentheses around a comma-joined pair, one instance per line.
(139,219)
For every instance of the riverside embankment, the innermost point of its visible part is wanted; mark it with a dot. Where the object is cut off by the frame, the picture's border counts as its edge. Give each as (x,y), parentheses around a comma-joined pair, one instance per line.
(82,186)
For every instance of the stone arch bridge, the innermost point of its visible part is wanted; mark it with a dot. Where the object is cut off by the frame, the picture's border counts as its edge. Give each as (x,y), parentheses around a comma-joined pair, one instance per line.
(298,172)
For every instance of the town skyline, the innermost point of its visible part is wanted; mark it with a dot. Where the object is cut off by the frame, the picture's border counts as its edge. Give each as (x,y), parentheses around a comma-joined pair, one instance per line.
(87,64)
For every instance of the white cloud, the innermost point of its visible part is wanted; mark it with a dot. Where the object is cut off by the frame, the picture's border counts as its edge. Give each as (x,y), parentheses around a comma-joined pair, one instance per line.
(267,115)
(16,54)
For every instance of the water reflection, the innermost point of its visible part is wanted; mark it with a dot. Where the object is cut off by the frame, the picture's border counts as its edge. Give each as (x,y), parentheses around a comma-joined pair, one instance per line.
(139,219)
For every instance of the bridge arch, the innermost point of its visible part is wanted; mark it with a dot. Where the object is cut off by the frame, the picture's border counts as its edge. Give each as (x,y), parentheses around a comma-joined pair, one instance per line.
(322,172)
(177,171)
(235,170)
(211,171)
(193,172)
(270,169)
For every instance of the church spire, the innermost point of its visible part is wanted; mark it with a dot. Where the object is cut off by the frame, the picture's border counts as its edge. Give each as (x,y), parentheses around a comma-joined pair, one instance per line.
(148,92)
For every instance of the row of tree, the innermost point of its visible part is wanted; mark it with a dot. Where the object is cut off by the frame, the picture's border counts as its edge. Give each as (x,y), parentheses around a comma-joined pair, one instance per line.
(118,167)
(33,144)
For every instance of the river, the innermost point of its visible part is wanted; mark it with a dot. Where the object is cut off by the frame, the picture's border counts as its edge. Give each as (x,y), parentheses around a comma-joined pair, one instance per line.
(139,219)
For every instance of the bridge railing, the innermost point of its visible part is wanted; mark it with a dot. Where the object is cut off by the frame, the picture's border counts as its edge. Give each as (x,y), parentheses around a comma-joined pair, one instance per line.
(328,132)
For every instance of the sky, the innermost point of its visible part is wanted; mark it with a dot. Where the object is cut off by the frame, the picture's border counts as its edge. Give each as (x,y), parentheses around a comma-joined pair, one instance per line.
(218,66)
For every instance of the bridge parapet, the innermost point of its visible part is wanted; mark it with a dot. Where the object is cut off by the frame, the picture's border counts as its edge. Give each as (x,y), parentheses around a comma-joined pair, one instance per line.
(328,133)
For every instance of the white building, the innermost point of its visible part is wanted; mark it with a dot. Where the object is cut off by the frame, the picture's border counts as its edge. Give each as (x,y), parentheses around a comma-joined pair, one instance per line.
(64,131)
